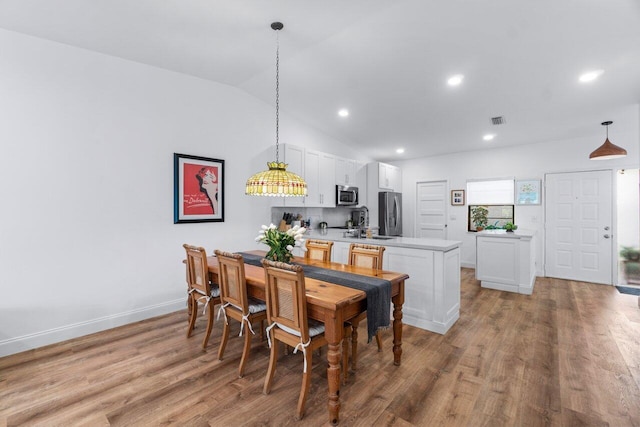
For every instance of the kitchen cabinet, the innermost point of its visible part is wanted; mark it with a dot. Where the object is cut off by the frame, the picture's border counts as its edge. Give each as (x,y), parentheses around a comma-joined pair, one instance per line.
(295,158)
(389,177)
(381,177)
(346,170)
(321,171)
(320,176)
(432,291)
(340,252)
(506,261)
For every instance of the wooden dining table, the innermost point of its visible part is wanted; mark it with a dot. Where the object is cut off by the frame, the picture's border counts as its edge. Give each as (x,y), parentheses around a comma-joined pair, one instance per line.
(332,304)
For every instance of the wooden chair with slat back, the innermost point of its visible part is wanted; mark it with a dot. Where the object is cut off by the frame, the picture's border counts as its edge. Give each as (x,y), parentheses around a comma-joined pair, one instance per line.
(200,289)
(237,305)
(318,250)
(367,256)
(288,322)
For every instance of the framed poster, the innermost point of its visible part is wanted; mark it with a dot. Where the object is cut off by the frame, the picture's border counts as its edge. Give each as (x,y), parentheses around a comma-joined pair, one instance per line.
(528,192)
(198,189)
(457,197)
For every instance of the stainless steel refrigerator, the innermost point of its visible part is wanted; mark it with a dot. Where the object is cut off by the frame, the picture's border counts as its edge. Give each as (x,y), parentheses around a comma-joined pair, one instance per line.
(390,213)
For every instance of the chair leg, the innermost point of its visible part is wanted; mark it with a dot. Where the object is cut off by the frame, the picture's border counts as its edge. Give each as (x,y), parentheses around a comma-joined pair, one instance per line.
(245,351)
(379,341)
(223,341)
(306,382)
(189,307)
(354,346)
(271,370)
(209,325)
(193,313)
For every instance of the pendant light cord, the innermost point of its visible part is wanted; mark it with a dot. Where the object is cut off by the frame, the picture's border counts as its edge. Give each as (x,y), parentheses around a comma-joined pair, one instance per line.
(277,96)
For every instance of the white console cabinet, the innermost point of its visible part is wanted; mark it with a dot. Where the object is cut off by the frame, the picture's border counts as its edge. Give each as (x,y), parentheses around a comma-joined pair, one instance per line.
(506,261)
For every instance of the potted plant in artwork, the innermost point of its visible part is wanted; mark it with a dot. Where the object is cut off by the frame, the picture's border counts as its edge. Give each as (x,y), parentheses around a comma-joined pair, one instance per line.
(631,262)
(479,216)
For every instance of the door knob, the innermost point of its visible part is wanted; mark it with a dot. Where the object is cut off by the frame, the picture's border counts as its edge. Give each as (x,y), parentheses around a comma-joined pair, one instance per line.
(606,236)
(606,228)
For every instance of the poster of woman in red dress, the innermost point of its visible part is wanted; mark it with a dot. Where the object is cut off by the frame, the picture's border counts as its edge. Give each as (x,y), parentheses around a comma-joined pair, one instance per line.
(198,189)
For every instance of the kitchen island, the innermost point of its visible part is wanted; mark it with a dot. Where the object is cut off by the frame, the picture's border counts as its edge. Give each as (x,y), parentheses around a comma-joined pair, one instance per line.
(432,292)
(506,260)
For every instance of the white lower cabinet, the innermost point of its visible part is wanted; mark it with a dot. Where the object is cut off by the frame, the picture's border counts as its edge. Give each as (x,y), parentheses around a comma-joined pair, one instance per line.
(340,252)
(506,261)
(432,292)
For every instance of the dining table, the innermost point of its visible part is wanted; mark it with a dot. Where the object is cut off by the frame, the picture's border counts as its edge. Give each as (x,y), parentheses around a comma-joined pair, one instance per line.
(331,304)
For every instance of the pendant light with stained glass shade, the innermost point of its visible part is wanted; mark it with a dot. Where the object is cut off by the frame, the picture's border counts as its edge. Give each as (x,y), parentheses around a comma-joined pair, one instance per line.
(276,181)
(607,150)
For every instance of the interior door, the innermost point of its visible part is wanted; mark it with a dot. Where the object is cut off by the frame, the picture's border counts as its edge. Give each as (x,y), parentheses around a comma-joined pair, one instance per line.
(579,226)
(431,205)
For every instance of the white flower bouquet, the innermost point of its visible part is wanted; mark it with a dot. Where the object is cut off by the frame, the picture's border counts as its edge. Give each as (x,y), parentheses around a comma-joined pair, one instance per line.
(281,243)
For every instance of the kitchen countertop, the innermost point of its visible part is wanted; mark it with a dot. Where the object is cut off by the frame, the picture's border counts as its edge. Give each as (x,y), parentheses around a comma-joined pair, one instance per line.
(516,234)
(337,235)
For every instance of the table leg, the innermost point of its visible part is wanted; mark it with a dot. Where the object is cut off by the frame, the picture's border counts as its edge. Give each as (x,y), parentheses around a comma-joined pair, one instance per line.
(333,333)
(398,301)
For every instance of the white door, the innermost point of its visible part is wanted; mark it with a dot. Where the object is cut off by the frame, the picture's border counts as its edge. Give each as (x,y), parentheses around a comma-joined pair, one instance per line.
(579,226)
(431,205)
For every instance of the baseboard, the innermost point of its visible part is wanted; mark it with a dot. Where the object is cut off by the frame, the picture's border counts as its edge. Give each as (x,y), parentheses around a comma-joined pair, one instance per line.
(430,325)
(75,330)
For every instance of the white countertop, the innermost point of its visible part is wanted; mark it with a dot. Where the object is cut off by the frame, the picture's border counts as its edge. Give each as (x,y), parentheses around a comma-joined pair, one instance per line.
(337,235)
(517,234)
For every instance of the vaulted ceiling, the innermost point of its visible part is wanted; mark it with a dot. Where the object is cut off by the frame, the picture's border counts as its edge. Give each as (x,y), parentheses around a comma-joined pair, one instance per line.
(386,61)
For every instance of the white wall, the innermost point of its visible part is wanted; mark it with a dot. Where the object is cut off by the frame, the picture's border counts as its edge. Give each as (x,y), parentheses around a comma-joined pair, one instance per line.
(87,239)
(523,162)
(628,202)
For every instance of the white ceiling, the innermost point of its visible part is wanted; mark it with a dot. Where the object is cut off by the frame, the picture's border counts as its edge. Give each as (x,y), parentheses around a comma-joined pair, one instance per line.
(386,61)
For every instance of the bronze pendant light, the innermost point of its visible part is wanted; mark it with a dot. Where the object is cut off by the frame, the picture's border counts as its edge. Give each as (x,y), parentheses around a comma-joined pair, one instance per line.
(608,150)
(276,181)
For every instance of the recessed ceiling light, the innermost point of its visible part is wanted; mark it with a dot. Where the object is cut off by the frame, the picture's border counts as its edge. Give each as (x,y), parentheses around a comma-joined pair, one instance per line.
(489,137)
(455,80)
(400,150)
(590,76)
(343,112)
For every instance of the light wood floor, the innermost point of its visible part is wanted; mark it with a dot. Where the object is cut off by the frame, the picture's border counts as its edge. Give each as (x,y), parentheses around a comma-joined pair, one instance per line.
(567,355)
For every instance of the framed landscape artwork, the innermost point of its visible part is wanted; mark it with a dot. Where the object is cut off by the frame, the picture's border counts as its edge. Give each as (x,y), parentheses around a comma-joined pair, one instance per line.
(528,192)
(457,197)
(198,189)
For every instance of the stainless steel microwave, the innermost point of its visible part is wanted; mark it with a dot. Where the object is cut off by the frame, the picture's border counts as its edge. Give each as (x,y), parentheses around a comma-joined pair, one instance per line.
(346,195)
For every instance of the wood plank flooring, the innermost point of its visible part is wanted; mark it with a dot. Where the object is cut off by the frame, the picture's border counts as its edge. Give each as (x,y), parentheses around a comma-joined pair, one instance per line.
(567,355)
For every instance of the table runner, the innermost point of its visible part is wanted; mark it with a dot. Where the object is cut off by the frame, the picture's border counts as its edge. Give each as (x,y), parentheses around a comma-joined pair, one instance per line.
(378,290)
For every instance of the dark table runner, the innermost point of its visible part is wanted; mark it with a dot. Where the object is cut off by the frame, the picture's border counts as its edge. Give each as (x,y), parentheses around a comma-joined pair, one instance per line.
(378,291)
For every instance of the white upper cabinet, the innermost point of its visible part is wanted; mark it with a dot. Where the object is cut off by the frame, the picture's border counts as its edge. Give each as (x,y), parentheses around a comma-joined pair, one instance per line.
(322,172)
(346,171)
(320,176)
(294,157)
(389,177)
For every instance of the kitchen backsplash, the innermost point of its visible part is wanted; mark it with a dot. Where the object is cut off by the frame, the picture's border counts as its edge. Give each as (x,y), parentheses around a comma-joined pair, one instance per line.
(334,217)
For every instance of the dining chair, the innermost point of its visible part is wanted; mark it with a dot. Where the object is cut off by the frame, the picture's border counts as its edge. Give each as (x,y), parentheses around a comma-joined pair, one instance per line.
(288,322)
(318,250)
(367,256)
(200,289)
(237,305)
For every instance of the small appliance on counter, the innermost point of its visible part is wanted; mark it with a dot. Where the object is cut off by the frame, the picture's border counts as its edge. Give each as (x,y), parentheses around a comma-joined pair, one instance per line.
(358,218)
